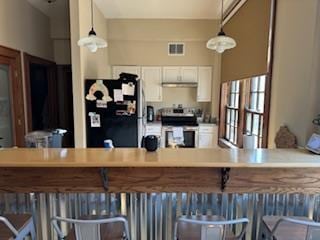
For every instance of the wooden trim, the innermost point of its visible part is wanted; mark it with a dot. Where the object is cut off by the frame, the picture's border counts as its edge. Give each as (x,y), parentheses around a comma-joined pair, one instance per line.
(51,66)
(270,74)
(17,102)
(165,179)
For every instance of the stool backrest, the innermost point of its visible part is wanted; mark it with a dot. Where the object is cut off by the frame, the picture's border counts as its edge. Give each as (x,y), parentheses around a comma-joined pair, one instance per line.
(313,232)
(89,229)
(212,230)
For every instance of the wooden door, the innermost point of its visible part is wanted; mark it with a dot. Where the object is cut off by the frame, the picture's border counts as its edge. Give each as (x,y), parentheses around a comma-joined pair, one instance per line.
(11,103)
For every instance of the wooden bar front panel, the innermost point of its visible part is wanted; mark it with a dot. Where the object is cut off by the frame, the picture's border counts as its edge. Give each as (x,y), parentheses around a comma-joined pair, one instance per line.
(206,180)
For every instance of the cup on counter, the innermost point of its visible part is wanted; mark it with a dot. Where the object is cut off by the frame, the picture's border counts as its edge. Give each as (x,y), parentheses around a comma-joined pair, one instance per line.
(108,144)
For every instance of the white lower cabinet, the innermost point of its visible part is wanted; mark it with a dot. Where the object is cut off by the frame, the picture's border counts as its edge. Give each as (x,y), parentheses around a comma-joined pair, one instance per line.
(208,136)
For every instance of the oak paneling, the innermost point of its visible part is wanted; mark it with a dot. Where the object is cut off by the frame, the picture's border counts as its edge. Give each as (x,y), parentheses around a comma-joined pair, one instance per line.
(206,180)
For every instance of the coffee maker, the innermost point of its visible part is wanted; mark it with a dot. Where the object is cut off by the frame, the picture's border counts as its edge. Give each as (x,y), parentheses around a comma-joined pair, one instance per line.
(150,114)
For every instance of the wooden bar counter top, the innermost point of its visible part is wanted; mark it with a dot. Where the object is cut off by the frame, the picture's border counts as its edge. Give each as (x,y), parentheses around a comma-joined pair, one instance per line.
(166,170)
(135,157)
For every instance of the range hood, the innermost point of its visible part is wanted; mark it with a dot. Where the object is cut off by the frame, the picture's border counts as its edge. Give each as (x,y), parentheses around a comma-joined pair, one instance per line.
(180,84)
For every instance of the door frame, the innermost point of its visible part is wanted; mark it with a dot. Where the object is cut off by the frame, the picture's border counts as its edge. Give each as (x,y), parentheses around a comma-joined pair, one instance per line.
(12,58)
(52,84)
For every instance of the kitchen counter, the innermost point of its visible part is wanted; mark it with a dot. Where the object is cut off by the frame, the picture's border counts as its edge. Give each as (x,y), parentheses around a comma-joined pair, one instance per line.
(165,157)
(167,170)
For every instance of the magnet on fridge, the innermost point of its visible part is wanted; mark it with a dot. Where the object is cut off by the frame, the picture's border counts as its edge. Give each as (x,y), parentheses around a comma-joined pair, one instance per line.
(94,120)
(98,86)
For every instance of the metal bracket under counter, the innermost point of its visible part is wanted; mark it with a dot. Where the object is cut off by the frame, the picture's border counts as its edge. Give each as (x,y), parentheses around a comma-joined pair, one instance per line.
(105,179)
(224,178)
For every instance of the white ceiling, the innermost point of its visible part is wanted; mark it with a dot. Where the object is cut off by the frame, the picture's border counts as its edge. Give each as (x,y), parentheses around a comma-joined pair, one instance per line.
(154,9)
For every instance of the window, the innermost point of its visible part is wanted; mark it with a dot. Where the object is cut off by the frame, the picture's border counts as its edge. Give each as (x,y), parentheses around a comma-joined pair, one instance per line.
(244,110)
(254,112)
(232,112)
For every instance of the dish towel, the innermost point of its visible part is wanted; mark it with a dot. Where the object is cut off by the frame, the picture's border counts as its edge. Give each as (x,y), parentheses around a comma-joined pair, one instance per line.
(177,134)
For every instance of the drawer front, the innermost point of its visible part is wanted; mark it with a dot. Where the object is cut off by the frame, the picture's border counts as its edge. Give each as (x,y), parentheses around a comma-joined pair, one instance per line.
(206,129)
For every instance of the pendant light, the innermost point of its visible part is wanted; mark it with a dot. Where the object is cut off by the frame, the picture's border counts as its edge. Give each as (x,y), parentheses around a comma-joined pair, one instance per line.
(221,42)
(92,42)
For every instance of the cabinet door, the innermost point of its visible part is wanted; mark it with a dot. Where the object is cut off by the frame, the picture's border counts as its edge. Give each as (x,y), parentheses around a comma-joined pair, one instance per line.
(152,78)
(204,84)
(189,74)
(206,140)
(171,74)
(117,70)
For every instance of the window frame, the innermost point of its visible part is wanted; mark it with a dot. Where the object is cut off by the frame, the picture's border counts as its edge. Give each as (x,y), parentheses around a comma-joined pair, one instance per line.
(245,96)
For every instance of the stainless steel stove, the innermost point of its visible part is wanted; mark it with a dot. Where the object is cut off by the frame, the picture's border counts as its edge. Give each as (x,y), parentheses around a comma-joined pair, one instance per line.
(179,119)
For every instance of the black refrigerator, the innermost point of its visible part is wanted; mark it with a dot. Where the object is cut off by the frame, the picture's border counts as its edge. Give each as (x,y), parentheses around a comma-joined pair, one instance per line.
(112,111)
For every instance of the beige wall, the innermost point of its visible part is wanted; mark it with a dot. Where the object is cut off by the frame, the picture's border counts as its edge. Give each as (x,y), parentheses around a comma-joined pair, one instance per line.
(296,77)
(25,28)
(60,32)
(85,64)
(145,42)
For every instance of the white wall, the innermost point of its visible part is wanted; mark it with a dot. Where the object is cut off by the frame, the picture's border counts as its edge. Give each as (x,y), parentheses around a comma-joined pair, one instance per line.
(25,28)
(145,42)
(295,94)
(85,64)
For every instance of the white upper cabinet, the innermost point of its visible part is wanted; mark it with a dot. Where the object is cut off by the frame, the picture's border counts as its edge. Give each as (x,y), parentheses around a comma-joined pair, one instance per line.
(171,74)
(117,70)
(180,74)
(152,78)
(189,74)
(204,84)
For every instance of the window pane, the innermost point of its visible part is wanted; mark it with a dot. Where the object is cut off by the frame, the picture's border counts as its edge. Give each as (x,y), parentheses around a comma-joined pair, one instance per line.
(235,135)
(228,132)
(254,84)
(261,127)
(253,101)
(261,102)
(232,117)
(237,89)
(231,103)
(255,129)
(228,116)
(233,86)
(248,123)
(231,134)
(262,84)
(236,118)
(236,105)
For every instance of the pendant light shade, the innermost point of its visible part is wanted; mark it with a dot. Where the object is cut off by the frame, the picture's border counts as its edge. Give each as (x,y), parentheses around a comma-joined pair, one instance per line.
(92,42)
(221,42)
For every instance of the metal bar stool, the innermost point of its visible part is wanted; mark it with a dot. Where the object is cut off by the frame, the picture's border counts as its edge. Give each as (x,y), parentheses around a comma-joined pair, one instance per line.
(289,228)
(17,226)
(207,228)
(94,228)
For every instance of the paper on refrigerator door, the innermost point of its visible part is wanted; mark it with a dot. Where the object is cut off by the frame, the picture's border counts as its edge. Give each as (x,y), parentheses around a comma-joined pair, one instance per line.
(94,120)
(128,89)
(117,95)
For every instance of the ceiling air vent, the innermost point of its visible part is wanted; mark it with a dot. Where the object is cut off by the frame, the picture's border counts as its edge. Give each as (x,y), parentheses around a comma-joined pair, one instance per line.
(176,49)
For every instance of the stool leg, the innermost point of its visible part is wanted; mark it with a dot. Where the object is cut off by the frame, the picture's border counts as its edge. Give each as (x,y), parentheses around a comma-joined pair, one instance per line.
(32,231)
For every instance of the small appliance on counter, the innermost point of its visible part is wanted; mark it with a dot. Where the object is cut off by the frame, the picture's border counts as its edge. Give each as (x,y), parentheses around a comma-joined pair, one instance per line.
(150,143)
(150,114)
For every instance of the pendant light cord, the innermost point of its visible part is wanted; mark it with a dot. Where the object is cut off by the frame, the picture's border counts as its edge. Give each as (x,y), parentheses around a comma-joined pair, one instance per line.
(221,20)
(92,14)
